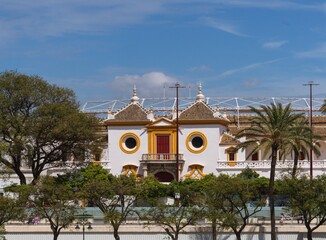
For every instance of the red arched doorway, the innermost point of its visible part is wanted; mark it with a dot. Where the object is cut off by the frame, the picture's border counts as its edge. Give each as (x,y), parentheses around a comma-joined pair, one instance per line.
(164,176)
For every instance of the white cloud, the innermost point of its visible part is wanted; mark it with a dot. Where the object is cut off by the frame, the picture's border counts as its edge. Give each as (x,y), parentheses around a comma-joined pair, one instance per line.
(39,18)
(222,26)
(201,68)
(274,44)
(148,85)
(250,66)
(54,18)
(319,52)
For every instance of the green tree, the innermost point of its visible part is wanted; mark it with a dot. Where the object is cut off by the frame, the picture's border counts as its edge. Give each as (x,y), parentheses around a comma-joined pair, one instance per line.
(307,198)
(323,107)
(301,141)
(227,200)
(186,210)
(10,209)
(115,196)
(271,127)
(54,201)
(41,125)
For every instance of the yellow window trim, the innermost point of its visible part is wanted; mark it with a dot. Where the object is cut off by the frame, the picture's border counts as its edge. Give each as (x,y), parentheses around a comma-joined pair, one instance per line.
(195,168)
(188,142)
(132,169)
(121,143)
(228,151)
(152,143)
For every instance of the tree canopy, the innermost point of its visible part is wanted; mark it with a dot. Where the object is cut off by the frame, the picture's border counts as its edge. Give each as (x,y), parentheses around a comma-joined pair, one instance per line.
(41,125)
(272,128)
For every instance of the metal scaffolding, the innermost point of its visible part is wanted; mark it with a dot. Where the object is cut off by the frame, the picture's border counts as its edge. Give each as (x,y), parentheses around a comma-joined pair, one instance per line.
(231,106)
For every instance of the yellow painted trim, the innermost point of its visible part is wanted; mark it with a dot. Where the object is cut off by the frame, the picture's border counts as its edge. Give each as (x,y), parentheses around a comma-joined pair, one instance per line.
(188,142)
(206,121)
(161,119)
(189,174)
(121,143)
(195,168)
(125,123)
(229,150)
(130,169)
(152,143)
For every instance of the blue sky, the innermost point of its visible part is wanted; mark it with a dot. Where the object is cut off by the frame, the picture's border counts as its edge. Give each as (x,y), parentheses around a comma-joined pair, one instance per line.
(101,48)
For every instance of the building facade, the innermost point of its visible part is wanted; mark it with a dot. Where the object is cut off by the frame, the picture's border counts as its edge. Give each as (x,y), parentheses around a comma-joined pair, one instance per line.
(141,143)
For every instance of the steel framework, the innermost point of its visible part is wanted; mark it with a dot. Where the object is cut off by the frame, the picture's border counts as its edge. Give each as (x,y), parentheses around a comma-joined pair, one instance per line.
(233,106)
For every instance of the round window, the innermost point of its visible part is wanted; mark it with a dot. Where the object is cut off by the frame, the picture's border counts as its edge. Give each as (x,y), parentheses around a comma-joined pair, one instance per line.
(196,142)
(129,143)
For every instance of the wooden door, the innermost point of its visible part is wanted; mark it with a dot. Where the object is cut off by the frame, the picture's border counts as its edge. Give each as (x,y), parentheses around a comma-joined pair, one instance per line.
(163,144)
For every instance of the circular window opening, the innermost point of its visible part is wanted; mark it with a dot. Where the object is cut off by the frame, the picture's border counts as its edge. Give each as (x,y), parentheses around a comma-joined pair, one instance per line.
(130,142)
(197,142)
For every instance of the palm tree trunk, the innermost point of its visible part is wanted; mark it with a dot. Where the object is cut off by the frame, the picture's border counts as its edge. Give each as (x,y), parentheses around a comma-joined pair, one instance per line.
(271,191)
(295,163)
(214,229)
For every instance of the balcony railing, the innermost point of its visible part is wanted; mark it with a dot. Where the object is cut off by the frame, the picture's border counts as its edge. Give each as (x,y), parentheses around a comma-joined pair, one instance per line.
(161,156)
(266,164)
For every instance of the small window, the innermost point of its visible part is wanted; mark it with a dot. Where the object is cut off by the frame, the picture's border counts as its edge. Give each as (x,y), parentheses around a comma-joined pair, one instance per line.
(129,143)
(301,156)
(197,142)
(231,156)
(254,157)
(97,157)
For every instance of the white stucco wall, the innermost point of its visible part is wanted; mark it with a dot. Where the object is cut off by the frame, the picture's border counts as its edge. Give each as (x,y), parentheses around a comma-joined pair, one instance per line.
(116,157)
(210,155)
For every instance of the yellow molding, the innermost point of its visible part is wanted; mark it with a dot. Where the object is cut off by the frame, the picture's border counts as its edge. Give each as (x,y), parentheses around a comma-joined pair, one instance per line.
(188,142)
(206,121)
(121,143)
(195,168)
(130,169)
(152,143)
(126,123)
(231,162)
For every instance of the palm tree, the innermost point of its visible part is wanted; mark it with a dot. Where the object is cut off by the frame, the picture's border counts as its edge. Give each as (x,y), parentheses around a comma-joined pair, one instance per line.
(323,107)
(303,138)
(271,128)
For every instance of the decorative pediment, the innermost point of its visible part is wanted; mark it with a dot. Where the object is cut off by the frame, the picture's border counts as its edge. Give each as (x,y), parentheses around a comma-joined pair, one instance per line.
(162,122)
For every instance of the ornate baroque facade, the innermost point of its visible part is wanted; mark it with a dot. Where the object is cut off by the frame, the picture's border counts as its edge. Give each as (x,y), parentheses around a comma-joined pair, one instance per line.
(141,143)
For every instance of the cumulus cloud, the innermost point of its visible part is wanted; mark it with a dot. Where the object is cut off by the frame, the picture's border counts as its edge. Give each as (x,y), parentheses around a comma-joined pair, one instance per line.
(148,85)
(274,44)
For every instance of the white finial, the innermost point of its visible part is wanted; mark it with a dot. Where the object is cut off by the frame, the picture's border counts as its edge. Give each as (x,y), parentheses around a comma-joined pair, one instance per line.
(134,98)
(200,97)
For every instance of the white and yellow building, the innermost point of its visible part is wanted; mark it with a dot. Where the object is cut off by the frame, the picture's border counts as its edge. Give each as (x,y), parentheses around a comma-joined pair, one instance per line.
(141,143)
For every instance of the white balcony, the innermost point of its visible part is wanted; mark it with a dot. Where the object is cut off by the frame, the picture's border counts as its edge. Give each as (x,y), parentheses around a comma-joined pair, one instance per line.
(263,166)
(161,156)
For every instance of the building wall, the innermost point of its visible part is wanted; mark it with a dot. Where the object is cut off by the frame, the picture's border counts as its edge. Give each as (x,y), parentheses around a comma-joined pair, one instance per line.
(117,157)
(210,155)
